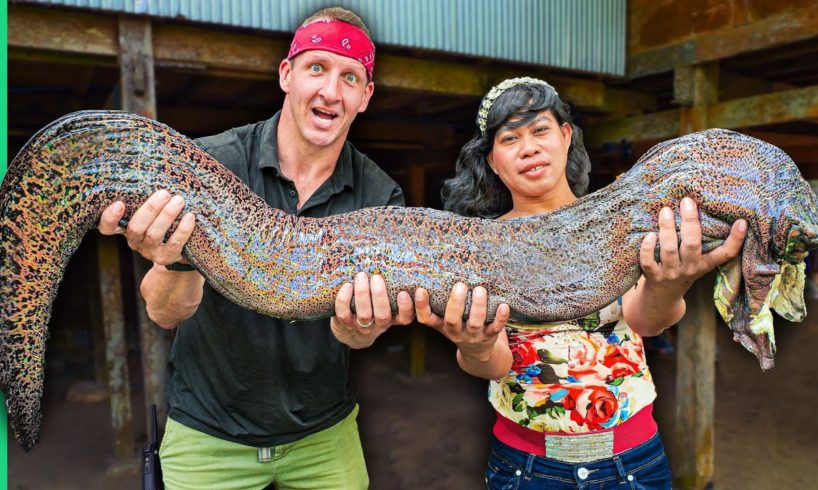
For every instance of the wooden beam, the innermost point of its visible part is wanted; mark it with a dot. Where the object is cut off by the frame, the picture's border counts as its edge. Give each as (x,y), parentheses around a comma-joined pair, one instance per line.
(778,107)
(249,55)
(789,26)
(654,126)
(226,52)
(759,110)
(463,79)
(61,31)
(660,60)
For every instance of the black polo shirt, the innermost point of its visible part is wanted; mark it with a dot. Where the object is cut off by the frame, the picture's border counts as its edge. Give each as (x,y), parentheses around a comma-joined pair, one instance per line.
(249,378)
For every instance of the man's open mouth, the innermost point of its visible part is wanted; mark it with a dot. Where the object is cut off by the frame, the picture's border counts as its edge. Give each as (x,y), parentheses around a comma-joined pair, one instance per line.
(322,114)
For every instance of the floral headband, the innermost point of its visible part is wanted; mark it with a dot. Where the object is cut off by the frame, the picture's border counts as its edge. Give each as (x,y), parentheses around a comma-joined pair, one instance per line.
(497,90)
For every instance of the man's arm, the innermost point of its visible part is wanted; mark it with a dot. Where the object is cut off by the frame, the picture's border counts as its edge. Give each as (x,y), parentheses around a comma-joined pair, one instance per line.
(171,296)
(657,301)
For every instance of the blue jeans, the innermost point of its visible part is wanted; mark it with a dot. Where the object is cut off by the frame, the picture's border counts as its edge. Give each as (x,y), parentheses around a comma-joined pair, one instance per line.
(643,467)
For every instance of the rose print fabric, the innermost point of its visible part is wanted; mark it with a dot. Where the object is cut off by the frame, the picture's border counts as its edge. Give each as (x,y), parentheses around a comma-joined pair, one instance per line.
(574,376)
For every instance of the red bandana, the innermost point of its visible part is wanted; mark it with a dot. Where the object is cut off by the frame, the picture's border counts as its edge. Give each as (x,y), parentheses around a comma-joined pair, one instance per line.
(336,37)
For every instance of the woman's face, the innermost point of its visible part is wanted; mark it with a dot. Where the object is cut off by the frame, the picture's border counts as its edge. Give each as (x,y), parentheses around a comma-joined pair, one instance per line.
(531,159)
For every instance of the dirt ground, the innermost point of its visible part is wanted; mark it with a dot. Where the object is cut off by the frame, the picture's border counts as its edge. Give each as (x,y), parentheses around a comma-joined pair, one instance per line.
(431,432)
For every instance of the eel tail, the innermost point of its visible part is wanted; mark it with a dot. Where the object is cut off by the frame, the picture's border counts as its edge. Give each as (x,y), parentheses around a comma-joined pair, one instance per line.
(36,243)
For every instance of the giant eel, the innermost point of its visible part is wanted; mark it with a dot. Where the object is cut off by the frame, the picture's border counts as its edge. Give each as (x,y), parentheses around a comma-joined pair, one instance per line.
(560,265)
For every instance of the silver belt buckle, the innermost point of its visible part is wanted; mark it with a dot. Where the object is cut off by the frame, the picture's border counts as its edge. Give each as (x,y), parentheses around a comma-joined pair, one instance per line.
(265,454)
(580,448)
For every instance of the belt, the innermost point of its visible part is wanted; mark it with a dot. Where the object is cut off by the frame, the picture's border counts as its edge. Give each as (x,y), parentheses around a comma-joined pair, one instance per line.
(582,447)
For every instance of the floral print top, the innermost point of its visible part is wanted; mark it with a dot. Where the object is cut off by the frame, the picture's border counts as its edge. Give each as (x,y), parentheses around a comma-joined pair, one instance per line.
(575,376)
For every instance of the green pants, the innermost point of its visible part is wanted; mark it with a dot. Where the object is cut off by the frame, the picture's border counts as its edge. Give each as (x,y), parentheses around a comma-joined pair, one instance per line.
(330,459)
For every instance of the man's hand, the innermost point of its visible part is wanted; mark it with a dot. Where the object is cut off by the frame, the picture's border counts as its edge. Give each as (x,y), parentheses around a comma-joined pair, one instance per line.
(148,226)
(373,313)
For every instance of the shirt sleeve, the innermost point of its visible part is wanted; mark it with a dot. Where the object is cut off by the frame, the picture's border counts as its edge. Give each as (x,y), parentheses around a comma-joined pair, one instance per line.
(396,199)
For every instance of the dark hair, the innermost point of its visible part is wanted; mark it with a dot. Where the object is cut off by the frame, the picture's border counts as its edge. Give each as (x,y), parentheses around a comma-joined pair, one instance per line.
(476,190)
(338,13)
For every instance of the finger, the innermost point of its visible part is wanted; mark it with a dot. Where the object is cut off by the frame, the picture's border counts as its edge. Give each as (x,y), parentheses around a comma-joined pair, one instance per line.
(500,319)
(381,308)
(343,300)
(171,251)
(647,255)
(406,310)
(155,234)
(730,248)
(363,300)
(477,314)
(668,240)
(691,231)
(145,215)
(423,310)
(453,316)
(109,221)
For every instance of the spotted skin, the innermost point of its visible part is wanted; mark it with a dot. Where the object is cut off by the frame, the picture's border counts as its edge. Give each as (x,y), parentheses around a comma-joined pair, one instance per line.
(562,265)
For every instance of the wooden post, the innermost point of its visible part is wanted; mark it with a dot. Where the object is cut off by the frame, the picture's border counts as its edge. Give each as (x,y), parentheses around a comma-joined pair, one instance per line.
(116,347)
(137,94)
(96,324)
(416,196)
(693,469)
(136,72)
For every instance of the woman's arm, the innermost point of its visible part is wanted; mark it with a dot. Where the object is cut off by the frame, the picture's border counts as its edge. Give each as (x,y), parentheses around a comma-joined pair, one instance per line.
(482,349)
(494,366)
(657,300)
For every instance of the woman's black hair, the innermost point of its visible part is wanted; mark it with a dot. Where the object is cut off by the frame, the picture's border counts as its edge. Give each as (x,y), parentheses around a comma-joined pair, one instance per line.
(476,190)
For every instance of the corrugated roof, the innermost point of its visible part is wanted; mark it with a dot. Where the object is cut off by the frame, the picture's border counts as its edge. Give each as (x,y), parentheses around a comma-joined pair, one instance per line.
(584,35)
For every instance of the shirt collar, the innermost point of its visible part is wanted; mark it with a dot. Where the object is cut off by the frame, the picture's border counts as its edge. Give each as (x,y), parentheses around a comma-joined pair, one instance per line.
(341,177)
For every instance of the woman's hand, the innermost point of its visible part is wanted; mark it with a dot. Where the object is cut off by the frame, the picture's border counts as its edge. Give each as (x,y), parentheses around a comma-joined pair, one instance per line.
(657,301)
(482,349)
(681,265)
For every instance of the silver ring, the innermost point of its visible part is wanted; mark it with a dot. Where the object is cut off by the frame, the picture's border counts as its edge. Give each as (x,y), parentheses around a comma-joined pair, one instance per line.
(362,325)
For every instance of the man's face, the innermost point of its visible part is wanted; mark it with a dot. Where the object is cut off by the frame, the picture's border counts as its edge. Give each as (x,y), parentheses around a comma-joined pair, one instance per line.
(325,92)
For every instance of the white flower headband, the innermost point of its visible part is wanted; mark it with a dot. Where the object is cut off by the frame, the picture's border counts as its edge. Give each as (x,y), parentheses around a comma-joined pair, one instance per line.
(498,90)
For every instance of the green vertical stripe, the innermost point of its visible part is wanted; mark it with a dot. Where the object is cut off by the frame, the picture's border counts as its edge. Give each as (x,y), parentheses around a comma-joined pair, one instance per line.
(3,165)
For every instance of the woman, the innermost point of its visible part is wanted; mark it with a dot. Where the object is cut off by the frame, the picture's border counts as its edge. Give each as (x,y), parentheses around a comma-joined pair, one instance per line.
(573,398)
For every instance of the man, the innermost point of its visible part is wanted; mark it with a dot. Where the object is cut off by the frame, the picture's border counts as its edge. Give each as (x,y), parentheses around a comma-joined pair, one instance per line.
(256,400)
